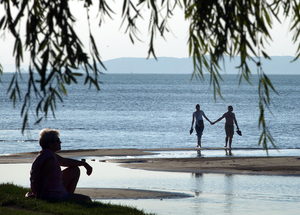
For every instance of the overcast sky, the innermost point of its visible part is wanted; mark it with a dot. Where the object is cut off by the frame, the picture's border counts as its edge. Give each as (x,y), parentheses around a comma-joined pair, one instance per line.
(113,43)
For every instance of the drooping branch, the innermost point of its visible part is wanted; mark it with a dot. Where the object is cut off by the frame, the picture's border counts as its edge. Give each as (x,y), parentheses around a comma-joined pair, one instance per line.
(217,28)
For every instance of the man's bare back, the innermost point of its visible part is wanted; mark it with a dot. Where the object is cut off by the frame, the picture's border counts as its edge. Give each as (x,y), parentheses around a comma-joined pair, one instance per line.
(229,125)
(230,117)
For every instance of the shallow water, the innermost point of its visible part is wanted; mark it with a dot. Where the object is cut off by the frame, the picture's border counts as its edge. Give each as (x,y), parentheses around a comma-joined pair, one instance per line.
(213,193)
(204,153)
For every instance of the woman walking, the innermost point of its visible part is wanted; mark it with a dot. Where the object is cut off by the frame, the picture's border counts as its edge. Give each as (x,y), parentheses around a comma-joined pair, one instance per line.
(199,125)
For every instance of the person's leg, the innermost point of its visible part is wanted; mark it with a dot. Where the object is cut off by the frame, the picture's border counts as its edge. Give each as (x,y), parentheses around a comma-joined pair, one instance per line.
(198,130)
(231,132)
(226,137)
(70,178)
(226,141)
(230,141)
(199,141)
(201,128)
(78,197)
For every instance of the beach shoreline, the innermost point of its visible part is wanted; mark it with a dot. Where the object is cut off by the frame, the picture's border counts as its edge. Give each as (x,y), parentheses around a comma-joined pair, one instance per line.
(263,165)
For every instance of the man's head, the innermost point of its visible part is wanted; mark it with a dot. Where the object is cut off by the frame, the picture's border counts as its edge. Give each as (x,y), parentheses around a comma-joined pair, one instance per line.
(197,106)
(49,139)
(230,108)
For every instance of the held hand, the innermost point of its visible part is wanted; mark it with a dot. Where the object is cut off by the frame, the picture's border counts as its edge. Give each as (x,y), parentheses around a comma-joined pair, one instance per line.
(89,169)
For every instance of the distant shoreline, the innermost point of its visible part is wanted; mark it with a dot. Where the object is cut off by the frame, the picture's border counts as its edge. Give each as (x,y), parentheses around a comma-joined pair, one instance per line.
(171,65)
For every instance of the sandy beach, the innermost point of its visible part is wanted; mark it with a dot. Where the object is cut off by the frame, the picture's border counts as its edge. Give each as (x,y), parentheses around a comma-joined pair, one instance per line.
(266,165)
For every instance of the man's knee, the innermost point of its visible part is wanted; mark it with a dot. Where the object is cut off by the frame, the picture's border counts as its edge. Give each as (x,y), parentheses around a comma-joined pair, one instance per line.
(75,170)
(72,171)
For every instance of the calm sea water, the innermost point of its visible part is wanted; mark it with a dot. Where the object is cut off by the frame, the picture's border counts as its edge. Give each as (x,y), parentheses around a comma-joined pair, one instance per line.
(154,111)
(212,193)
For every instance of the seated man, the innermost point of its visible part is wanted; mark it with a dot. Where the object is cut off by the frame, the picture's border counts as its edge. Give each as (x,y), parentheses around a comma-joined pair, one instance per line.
(47,181)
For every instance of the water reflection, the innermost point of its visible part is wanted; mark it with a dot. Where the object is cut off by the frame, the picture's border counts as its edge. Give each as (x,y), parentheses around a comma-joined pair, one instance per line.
(198,187)
(223,185)
(198,183)
(228,152)
(228,192)
(203,152)
(199,153)
(213,193)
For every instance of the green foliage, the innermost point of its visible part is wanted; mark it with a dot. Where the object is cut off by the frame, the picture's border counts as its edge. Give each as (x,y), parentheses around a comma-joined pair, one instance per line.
(13,201)
(55,52)
(237,28)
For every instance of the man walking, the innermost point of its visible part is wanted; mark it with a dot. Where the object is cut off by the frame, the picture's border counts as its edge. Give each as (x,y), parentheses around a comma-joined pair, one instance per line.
(229,125)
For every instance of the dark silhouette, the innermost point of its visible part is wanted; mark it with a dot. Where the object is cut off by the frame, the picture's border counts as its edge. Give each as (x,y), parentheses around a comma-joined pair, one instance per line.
(47,181)
(199,125)
(229,125)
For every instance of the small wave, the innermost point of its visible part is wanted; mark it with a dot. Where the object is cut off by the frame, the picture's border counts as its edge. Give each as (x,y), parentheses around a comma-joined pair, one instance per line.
(18,141)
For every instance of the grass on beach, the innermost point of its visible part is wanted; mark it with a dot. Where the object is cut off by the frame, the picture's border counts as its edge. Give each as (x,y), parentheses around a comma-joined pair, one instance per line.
(13,201)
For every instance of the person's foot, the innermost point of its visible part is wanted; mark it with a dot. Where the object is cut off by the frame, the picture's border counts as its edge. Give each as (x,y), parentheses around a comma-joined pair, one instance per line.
(225,146)
(29,195)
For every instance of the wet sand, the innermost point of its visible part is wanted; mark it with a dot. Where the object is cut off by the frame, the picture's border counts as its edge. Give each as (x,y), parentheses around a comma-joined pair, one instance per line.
(229,165)
(266,165)
(114,193)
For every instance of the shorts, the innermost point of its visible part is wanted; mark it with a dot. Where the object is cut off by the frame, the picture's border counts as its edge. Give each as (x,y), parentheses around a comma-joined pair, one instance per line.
(65,197)
(199,130)
(229,130)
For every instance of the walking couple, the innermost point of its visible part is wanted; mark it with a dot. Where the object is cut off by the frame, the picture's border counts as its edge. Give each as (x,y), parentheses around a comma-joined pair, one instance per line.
(229,124)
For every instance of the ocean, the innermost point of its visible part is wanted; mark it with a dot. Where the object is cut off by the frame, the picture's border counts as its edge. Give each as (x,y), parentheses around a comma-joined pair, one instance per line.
(154,111)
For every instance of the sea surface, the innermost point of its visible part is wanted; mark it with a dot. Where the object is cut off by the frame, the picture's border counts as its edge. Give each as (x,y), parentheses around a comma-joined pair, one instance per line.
(154,111)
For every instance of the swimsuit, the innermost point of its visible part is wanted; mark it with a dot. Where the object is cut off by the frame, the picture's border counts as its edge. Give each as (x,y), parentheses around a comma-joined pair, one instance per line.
(199,123)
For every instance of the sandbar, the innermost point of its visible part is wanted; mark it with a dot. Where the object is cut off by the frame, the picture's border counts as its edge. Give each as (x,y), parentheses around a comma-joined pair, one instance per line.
(115,193)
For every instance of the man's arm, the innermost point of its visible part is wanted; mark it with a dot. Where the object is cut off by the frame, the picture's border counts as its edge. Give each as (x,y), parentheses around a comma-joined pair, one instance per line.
(71,162)
(219,119)
(46,170)
(234,119)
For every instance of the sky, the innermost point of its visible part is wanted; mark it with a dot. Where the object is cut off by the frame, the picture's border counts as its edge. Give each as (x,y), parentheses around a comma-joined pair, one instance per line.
(113,43)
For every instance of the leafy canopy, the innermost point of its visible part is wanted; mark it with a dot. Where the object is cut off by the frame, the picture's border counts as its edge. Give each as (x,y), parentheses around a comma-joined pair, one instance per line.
(237,28)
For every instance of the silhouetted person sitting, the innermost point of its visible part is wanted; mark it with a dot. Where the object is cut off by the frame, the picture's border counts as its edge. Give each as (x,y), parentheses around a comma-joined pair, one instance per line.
(47,181)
